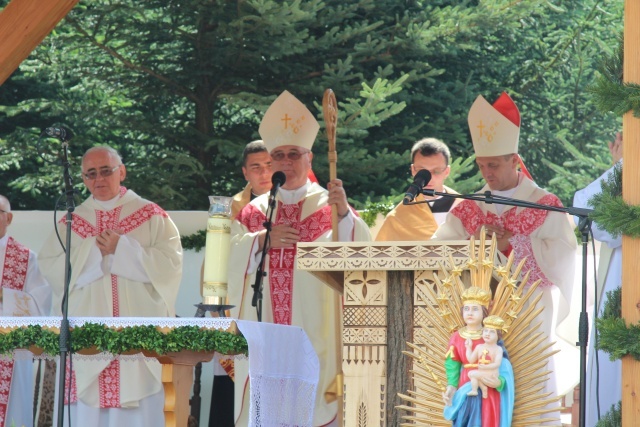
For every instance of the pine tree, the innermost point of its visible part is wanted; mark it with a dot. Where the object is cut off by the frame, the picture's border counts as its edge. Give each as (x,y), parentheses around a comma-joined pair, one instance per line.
(180,87)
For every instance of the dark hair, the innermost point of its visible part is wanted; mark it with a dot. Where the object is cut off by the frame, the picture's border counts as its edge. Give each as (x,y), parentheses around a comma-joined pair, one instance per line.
(252,148)
(429,147)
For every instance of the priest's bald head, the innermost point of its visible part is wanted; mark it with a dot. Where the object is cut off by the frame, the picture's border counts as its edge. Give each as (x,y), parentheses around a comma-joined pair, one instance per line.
(103,172)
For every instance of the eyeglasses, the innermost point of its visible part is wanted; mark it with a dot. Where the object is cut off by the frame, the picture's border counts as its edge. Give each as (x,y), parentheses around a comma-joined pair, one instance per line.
(437,172)
(93,174)
(291,155)
(434,172)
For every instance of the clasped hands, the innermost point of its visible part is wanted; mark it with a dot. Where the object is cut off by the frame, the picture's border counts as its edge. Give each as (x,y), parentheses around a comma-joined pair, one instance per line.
(502,235)
(107,241)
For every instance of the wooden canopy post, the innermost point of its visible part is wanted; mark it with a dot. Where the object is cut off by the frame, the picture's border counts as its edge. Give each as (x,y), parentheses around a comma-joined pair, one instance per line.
(631,195)
(23,25)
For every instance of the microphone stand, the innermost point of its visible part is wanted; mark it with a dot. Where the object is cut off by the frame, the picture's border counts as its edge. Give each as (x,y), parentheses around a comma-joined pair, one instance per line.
(256,301)
(65,334)
(585,228)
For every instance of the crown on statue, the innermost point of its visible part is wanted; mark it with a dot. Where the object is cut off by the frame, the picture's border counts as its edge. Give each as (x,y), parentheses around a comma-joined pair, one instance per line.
(494,322)
(475,295)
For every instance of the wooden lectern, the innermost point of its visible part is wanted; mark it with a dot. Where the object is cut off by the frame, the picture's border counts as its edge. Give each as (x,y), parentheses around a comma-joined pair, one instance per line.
(380,284)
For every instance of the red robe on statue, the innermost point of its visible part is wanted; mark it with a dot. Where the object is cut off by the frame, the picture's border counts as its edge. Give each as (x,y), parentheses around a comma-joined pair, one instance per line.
(490,405)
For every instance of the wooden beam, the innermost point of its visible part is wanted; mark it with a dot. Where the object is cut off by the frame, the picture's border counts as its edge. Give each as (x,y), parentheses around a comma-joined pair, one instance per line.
(631,194)
(23,25)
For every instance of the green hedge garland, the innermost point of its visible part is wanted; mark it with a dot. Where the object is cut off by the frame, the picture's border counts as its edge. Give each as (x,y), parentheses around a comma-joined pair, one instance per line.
(372,209)
(614,336)
(132,338)
(611,212)
(195,241)
(616,339)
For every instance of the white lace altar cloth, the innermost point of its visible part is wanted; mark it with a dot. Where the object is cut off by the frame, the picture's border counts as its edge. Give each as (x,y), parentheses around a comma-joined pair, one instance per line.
(284,371)
(120,322)
(283,366)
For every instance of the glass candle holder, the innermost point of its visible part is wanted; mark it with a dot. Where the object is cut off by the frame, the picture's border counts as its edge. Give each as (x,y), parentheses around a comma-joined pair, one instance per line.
(216,256)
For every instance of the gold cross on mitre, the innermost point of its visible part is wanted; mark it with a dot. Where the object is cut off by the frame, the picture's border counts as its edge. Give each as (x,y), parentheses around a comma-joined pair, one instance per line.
(495,129)
(288,122)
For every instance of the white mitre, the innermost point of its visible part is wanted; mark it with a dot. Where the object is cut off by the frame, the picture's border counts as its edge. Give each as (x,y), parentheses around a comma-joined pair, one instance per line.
(288,122)
(495,129)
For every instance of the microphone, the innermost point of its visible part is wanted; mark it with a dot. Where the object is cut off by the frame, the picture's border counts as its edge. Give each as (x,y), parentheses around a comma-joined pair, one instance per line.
(419,181)
(277,180)
(61,132)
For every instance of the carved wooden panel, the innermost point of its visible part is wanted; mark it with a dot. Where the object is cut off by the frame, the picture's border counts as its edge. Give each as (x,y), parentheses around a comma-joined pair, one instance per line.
(379,256)
(364,347)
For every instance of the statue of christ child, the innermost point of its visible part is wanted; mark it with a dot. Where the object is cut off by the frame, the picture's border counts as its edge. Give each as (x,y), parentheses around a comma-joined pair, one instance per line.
(485,357)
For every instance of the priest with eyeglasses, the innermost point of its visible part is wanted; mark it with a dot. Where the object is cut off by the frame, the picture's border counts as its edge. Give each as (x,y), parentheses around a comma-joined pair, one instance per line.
(302,214)
(126,261)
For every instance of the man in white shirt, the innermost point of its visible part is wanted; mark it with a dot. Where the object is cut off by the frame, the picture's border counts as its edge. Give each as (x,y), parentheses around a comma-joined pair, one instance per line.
(126,261)
(604,379)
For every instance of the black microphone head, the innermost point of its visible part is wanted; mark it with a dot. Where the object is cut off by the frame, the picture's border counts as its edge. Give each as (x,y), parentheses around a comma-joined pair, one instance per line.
(422,177)
(278,178)
(60,132)
(419,181)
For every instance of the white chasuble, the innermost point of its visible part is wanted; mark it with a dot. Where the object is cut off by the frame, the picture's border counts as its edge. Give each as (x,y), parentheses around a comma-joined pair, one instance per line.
(140,279)
(290,296)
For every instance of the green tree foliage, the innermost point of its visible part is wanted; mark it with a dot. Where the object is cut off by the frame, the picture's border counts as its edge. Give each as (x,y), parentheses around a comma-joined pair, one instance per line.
(180,87)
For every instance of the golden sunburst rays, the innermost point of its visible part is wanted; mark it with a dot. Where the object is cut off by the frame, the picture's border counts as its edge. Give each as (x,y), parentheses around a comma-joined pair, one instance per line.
(447,295)
(514,300)
(432,398)
(424,403)
(438,323)
(507,284)
(526,307)
(486,261)
(481,262)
